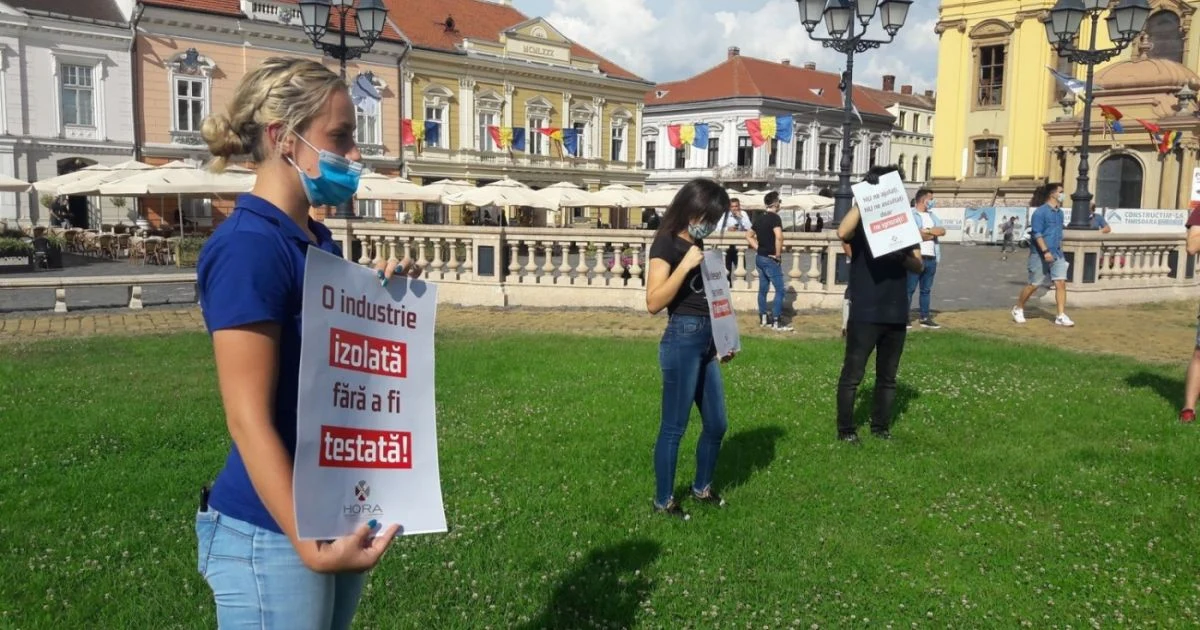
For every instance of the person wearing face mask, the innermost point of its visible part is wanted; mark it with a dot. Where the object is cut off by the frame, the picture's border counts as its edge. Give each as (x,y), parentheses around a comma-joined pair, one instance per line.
(931,254)
(766,239)
(295,120)
(1046,259)
(691,372)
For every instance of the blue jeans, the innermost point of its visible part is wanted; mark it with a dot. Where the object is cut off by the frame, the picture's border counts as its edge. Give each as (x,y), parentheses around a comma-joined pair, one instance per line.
(258,580)
(771,272)
(925,280)
(691,375)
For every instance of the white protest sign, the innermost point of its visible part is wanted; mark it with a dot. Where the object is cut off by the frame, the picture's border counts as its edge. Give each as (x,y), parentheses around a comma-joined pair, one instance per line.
(886,215)
(720,305)
(366,426)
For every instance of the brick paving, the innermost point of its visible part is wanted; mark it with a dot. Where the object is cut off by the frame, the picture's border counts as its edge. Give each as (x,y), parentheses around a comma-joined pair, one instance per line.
(32,327)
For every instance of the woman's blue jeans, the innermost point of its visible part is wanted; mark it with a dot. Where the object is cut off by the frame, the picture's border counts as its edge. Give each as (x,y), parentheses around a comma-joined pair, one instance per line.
(260,583)
(691,375)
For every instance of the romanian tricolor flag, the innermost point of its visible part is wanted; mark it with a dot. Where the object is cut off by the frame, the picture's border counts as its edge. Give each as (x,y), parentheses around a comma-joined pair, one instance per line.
(407,135)
(554,133)
(1112,118)
(517,142)
(754,128)
(497,136)
(674,136)
(687,134)
(783,128)
(701,140)
(768,126)
(570,141)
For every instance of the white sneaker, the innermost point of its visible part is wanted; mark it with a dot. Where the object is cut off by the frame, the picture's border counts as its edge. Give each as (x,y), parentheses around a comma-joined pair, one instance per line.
(781,327)
(1018,315)
(1063,320)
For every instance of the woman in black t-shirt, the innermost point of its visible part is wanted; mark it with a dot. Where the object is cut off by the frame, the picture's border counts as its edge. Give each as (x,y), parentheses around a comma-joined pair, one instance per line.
(686,354)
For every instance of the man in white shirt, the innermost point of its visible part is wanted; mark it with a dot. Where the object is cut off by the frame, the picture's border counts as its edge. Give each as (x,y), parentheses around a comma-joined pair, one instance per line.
(734,221)
(931,254)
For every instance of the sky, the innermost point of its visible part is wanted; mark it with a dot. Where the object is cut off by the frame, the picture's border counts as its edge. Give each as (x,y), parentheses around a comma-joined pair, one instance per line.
(669,40)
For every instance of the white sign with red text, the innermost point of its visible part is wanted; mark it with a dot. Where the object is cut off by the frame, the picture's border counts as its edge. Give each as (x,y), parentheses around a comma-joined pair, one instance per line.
(366,424)
(886,215)
(720,303)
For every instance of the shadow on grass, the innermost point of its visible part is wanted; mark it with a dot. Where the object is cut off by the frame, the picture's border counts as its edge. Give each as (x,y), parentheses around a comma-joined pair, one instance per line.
(864,403)
(744,454)
(1167,388)
(606,590)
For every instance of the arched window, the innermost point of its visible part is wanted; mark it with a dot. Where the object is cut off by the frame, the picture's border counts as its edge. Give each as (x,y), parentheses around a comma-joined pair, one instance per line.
(913,177)
(1163,30)
(1119,183)
(928,169)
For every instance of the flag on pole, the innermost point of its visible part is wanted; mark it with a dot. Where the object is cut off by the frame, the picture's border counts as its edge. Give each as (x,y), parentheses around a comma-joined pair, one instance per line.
(1112,117)
(433,132)
(497,139)
(768,126)
(701,139)
(570,140)
(1071,84)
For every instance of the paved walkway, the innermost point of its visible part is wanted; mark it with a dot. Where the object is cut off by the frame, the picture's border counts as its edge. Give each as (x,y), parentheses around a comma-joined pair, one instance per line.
(49,325)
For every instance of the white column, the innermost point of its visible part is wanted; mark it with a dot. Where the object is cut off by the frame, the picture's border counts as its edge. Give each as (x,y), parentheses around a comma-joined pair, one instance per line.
(407,105)
(812,151)
(597,142)
(508,104)
(635,135)
(466,113)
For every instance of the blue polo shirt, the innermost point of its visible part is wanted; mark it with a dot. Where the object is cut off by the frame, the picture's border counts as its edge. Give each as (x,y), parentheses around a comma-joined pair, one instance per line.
(251,271)
(1047,223)
(1098,222)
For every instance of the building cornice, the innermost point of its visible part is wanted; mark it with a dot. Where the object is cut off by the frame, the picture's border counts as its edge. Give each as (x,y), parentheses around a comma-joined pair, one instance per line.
(944,25)
(437,60)
(59,30)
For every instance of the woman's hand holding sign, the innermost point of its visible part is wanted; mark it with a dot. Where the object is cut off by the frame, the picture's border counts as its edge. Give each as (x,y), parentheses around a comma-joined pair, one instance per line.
(388,268)
(357,552)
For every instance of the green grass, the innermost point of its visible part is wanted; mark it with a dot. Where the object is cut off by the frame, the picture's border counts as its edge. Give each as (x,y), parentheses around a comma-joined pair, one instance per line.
(1024,487)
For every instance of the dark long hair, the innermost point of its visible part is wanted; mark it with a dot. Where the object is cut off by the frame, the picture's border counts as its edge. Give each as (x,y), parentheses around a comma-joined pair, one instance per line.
(1042,193)
(700,198)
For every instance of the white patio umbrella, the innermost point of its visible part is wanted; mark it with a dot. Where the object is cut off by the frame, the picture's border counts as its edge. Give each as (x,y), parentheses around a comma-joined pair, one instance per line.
(568,195)
(444,187)
(181,178)
(378,186)
(660,198)
(505,192)
(53,185)
(749,199)
(618,195)
(12,184)
(796,205)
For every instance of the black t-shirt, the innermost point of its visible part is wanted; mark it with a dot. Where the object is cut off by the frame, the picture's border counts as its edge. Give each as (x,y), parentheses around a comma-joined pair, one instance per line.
(764,229)
(878,286)
(690,300)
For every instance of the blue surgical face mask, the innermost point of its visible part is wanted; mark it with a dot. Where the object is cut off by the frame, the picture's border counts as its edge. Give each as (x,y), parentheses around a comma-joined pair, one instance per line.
(338,180)
(929,205)
(699,231)
(1061,197)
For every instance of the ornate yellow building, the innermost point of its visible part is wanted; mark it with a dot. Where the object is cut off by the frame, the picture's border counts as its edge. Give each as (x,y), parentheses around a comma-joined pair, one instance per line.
(1004,125)
(477,64)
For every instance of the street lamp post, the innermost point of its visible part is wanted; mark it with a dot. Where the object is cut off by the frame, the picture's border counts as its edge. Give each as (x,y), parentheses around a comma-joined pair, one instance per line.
(1125,22)
(370,15)
(848,38)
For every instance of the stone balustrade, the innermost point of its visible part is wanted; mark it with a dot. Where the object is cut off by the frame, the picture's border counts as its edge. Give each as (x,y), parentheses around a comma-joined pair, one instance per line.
(1110,269)
(557,267)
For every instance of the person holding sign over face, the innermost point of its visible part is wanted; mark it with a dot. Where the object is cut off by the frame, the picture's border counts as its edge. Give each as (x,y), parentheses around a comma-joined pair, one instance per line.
(687,353)
(295,119)
(879,306)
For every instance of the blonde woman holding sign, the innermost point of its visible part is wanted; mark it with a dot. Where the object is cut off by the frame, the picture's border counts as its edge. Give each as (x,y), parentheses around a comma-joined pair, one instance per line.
(687,353)
(295,120)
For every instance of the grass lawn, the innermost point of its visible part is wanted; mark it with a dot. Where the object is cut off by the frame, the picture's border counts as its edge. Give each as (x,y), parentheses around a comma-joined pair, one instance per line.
(1024,487)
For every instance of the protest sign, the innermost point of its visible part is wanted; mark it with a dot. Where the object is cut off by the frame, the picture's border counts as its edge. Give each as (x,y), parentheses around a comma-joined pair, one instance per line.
(366,426)
(720,304)
(886,215)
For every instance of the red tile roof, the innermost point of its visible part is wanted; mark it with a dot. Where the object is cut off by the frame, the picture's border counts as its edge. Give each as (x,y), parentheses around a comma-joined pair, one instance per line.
(887,99)
(740,76)
(424,23)
(219,7)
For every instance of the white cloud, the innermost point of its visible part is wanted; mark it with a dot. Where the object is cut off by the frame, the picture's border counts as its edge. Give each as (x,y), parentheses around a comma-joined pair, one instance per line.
(669,40)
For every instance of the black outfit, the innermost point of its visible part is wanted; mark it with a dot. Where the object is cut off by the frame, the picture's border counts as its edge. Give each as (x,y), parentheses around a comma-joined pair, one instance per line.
(878,291)
(690,300)
(764,230)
